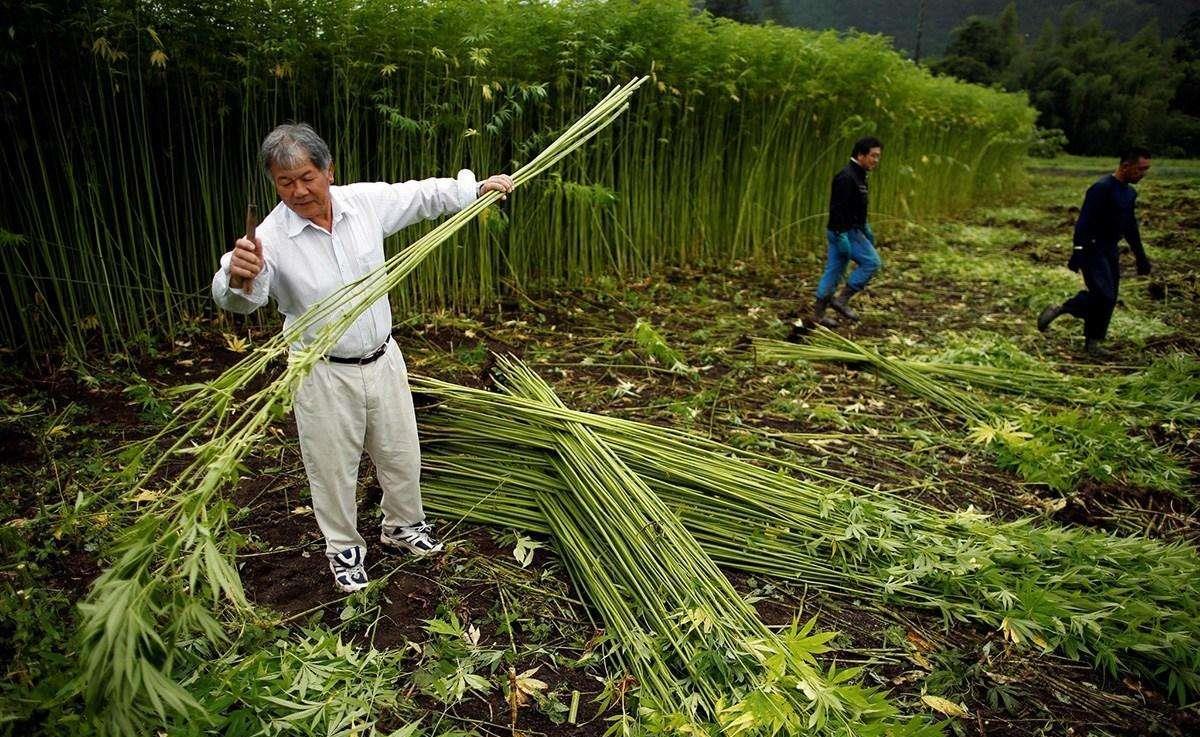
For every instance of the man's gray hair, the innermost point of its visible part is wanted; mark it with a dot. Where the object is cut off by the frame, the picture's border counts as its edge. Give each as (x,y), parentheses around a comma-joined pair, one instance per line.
(291,146)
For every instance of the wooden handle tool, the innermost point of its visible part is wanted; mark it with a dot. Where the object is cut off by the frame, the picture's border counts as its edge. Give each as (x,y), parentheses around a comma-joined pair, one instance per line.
(251,226)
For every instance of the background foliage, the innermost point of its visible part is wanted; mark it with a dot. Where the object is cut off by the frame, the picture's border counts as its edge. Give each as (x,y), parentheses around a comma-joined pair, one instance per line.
(1102,92)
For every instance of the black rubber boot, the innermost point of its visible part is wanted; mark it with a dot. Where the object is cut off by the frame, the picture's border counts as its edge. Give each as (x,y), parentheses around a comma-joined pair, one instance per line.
(1049,315)
(819,316)
(1094,349)
(841,304)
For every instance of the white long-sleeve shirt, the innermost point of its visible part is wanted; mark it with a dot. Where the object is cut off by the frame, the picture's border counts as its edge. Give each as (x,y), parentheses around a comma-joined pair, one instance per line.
(304,263)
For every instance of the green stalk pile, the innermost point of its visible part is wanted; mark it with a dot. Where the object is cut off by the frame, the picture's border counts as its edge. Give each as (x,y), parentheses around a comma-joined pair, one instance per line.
(700,654)
(1129,605)
(173,568)
(1057,450)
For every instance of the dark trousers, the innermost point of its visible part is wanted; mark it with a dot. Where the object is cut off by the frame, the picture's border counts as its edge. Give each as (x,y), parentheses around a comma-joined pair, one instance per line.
(1094,305)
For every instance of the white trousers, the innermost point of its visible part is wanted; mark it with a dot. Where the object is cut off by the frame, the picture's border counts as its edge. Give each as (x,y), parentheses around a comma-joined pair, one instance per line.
(342,409)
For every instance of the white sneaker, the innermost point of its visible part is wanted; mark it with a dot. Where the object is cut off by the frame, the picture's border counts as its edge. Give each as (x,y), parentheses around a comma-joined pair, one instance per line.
(413,539)
(348,572)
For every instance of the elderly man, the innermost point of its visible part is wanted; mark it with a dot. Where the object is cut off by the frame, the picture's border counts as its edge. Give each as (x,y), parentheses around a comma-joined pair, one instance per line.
(849,236)
(1106,217)
(319,238)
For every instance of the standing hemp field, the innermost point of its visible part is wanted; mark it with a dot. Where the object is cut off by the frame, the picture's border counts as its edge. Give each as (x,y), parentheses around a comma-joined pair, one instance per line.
(133,127)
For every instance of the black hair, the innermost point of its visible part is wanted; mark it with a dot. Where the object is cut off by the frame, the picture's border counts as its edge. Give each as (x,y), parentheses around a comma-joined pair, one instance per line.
(864,145)
(1133,154)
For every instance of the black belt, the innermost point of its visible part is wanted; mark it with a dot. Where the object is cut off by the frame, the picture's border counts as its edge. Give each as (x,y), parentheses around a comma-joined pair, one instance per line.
(360,361)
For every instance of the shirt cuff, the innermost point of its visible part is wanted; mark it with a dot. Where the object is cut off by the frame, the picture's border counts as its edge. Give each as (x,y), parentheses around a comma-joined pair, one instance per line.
(258,288)
(468,188)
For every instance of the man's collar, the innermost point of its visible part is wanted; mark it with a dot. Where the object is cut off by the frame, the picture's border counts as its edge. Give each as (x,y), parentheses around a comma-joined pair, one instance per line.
(295,223)
(341,206)
(858,166)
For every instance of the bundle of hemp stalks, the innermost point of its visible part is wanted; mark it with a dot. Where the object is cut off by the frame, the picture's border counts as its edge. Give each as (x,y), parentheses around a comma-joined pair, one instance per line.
(1129,604)
(702,658)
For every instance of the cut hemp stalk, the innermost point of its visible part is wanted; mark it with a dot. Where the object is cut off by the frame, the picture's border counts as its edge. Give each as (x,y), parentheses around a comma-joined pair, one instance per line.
(1168,388)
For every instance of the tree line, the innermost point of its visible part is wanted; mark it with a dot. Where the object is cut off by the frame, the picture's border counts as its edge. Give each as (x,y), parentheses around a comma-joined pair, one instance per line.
(1101,92)
(1098,82)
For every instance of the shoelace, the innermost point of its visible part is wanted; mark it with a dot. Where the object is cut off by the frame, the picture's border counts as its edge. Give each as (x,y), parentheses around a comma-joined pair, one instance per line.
(421,530)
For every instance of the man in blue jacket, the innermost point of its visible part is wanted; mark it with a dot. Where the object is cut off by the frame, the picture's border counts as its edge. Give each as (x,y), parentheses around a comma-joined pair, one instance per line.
(1106,217)
(849,236)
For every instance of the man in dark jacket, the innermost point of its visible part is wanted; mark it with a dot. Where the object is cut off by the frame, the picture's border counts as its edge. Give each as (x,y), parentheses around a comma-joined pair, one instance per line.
(1106,217)
(849,236)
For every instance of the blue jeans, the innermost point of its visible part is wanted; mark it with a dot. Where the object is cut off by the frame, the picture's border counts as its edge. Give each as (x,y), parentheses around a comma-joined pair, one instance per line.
(861,253)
